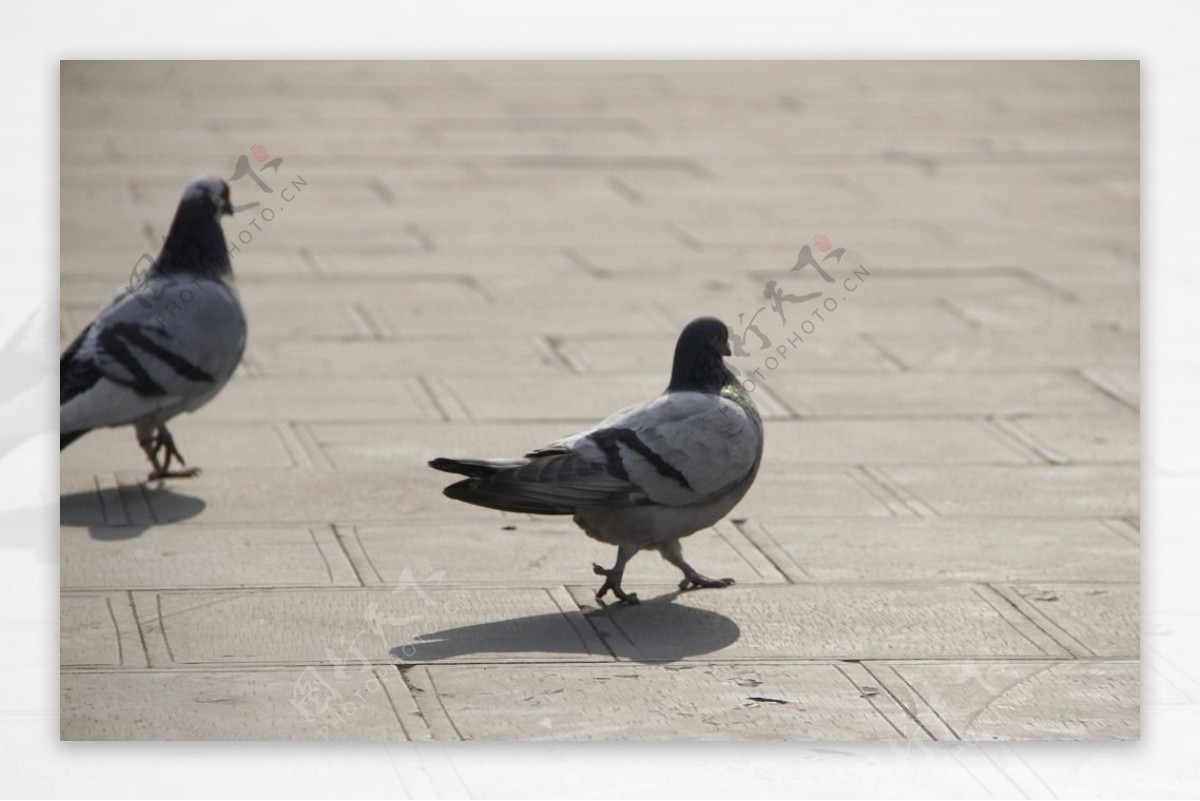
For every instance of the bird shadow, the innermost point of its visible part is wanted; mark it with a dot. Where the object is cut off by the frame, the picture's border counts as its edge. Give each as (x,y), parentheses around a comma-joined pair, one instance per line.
(134,507)
(655,630)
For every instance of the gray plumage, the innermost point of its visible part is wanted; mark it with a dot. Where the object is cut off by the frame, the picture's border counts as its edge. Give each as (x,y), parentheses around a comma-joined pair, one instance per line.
(648,475)
(166,343)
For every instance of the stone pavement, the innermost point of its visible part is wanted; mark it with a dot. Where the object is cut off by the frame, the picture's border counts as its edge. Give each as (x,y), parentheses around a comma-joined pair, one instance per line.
(477,258)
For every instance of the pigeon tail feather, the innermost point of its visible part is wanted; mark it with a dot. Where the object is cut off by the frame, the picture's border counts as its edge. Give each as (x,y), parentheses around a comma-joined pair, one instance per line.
(481,493)
(475,468)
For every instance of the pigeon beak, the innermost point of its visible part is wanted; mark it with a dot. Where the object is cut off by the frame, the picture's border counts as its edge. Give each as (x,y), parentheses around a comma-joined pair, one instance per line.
(227,208)
(725,351)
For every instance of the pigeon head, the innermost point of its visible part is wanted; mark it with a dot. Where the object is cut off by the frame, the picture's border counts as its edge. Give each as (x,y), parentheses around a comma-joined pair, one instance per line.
(698,365)
(206,196)
(195,242)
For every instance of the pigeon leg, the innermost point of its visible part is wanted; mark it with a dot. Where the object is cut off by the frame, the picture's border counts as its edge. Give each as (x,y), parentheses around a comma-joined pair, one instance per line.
(612,577)
(165,442)
(673,553)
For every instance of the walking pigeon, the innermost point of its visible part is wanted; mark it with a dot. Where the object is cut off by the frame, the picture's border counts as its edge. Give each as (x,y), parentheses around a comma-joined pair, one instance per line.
(647,476)
(163,345)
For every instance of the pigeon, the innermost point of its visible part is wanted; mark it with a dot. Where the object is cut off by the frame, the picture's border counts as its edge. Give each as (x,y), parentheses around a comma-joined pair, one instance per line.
(165,344)
(647,476)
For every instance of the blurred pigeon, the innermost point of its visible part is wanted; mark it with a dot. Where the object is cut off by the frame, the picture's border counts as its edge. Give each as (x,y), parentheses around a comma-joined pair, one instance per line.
(648,475)
(165,344)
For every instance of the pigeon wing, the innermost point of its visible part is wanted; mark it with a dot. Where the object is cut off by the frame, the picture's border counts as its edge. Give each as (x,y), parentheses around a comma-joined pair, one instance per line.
(151,350)
(681,448)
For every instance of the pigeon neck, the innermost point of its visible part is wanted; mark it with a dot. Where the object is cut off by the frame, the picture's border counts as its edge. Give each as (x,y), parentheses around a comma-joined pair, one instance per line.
(700,372)
(195,244)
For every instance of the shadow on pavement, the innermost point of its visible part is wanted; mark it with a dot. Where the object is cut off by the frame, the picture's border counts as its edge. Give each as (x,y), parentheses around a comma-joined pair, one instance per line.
(656,630)
(132,503)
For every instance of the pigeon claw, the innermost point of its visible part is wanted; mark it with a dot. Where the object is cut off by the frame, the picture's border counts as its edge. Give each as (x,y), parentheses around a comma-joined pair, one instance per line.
(613,582)
(704,583)
(163,443)
(190,472)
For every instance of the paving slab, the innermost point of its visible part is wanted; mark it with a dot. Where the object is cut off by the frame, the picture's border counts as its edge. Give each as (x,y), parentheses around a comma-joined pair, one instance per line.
(990,351)
(610,354)
(585,399)
(241,497)
(1122,383)
(845,621)
(517,319)
(369,446)
(941,395)
(290,704)
(123,557)
(1066,491)
(413,621)
(500,254)
(272,399)
(1044,311)
(677,702)
(518,550)
(383,446)
(454,293)
(792,443)
(982,701)
(206,444)
(523,356)
(1098,619)
(98,629)
(1083,438)
(818,492)
(951,551)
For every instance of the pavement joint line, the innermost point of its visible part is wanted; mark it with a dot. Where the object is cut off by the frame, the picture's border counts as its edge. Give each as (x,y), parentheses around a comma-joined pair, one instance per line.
(138,626)
(889,492)
(294,445)
(108,494)
(843,668)
(620,663)
(1003,602)
(1108,390)
(551,346)
(158,650)
(793,413)
(1043,621)
(402,675)
(910,714)
(770,549)
(366,324)
(667,587)
(427,691)
(112,617)
(958,311)
(577,258)
(342,540)
(920,699)
(1125,530)
(432,396)
(312,262)
(312,533)
(1007,430)
(579,622)
(391,704)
